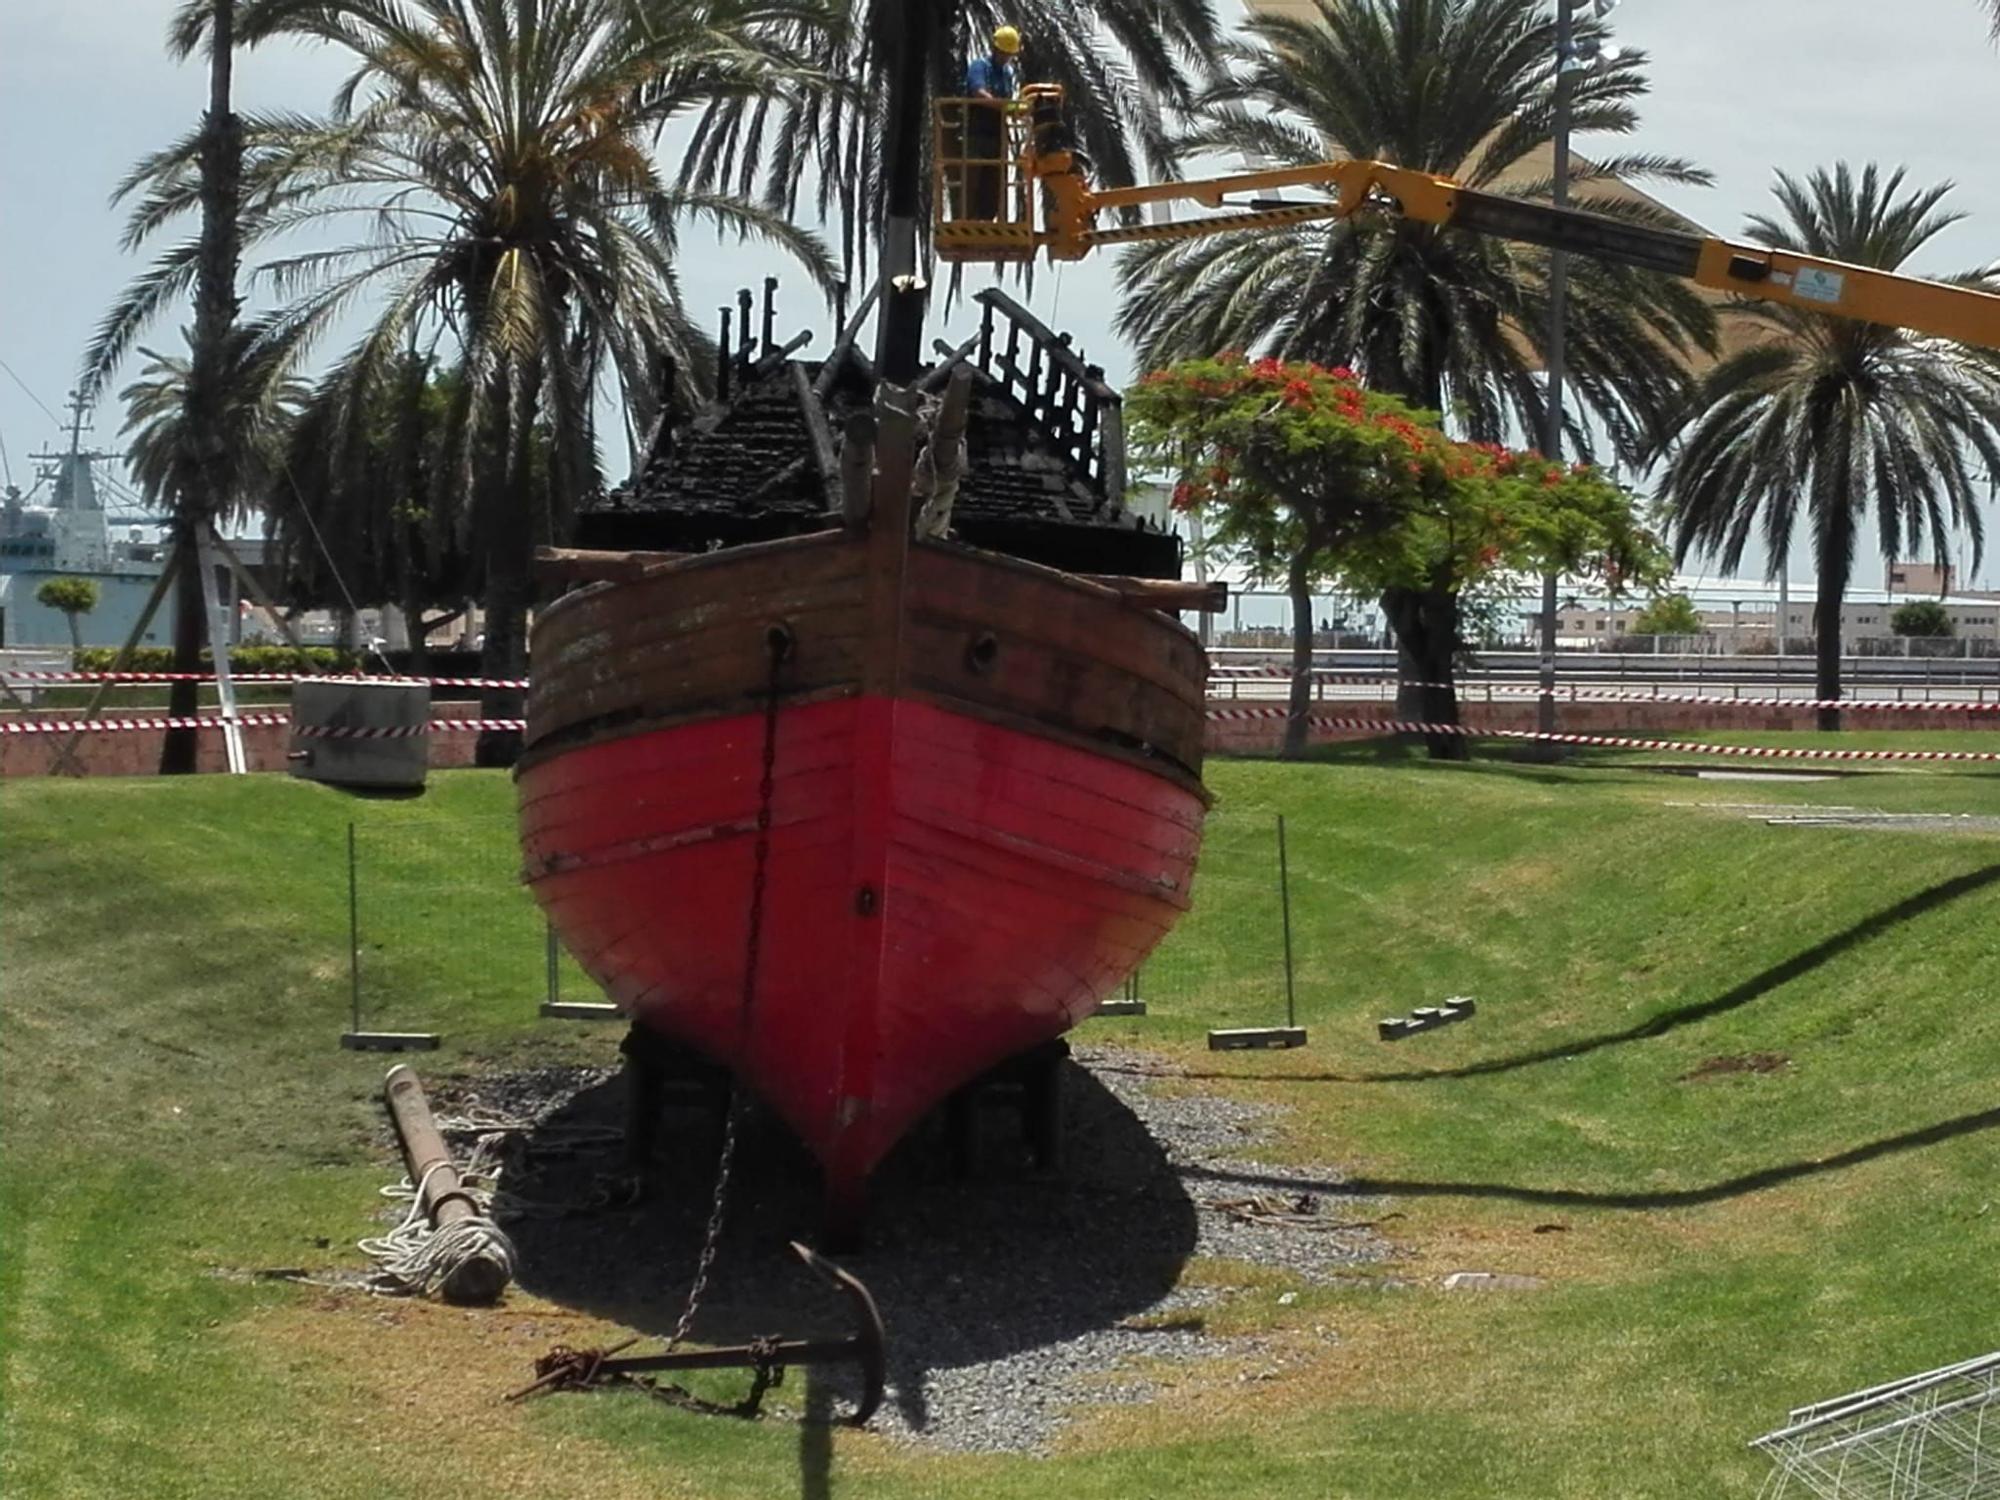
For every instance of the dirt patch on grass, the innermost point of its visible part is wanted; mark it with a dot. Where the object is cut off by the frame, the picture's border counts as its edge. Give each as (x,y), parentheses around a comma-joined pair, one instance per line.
(1739,1062)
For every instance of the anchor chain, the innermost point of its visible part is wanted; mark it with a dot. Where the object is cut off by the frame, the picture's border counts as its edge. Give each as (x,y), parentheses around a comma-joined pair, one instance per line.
(778,644)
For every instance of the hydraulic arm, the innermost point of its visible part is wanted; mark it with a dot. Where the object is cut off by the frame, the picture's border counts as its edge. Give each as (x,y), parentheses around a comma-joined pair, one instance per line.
(1032,170)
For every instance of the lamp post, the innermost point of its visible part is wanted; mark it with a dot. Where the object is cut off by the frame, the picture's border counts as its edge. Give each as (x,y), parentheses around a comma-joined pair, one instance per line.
(1569,58)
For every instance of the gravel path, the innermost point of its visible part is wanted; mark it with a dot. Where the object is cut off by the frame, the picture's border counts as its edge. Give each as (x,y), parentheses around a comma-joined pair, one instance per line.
(1009,1299)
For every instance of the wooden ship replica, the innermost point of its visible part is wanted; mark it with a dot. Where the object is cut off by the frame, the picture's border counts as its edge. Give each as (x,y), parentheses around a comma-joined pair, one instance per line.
(867,755)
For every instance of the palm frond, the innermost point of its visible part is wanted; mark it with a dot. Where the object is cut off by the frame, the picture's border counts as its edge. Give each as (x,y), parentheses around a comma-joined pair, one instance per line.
(1837,423)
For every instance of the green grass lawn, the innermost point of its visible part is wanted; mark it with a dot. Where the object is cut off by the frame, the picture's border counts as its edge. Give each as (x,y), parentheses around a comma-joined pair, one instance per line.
(176,1114)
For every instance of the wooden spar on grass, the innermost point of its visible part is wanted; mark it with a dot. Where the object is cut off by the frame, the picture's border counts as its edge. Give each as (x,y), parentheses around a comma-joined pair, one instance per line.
(582,565)
(477,1278)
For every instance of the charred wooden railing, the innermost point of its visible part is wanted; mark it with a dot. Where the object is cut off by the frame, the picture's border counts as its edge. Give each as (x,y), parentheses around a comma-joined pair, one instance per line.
(1080,414)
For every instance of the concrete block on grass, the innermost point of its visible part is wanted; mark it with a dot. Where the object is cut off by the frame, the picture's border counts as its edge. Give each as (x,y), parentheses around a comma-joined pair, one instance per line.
(1248,1038)
(1424,1018)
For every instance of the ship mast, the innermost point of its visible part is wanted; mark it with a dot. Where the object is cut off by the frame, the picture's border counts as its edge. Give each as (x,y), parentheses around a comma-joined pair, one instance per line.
(75,481)
(905,293)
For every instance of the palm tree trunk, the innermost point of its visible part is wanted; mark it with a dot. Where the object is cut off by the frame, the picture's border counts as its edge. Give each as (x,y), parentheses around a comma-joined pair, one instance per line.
(1425,621)
(509,580)
(1426,626)
(1298,721)
(208,465)
(180,748)
(1835,559)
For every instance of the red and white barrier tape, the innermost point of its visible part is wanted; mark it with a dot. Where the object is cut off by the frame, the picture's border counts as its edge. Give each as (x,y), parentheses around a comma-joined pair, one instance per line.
(1616,742)
(1870,705)
(255,721)
(1319,674)
(1327,721)
(1472,690)
(9,675)
(1219,674)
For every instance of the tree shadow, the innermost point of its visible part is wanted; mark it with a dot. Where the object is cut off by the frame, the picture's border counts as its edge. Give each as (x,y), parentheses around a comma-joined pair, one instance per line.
(1715,1192)
(964,1272)
(1754,988)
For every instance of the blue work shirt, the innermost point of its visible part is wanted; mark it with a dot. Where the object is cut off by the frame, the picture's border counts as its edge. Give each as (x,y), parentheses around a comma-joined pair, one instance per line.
(983,74)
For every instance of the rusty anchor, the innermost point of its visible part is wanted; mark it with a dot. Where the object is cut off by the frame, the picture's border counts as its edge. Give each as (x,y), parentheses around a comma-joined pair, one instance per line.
(563,1368)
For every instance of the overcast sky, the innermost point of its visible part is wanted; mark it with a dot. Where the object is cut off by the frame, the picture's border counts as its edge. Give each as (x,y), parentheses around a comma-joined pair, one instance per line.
(1742,89)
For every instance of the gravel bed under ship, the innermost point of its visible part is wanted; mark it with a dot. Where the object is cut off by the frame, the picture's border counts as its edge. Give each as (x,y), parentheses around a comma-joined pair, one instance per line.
(1014,1298)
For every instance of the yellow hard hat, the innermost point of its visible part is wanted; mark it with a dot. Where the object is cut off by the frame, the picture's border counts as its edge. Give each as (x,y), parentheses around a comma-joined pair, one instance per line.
(1006,39)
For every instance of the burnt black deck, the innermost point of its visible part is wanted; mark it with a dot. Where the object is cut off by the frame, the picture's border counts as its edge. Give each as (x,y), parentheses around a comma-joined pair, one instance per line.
(1045,453)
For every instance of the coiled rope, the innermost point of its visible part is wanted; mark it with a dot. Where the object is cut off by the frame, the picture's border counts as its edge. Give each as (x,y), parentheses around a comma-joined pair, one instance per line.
(415,1259)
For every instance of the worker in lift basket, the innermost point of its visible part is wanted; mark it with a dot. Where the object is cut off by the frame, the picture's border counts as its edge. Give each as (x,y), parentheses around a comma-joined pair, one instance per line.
(993,78)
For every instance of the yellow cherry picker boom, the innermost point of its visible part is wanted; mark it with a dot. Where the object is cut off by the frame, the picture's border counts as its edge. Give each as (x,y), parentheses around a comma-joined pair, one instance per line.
(1032,197)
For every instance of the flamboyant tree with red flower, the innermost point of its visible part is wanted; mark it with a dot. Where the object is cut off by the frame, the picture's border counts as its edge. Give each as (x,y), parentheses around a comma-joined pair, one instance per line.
(1294,465)
(1504,516)
(1307,475)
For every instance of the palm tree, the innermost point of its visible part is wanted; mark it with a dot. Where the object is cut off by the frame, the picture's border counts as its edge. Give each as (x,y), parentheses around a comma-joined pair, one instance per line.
(1450,322)
(363,502)
(489,161)
(258,405)
(202,475)
(1833,418)
(888,57)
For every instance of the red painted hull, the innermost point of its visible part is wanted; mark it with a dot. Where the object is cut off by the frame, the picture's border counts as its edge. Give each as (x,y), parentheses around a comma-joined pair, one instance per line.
(943,892)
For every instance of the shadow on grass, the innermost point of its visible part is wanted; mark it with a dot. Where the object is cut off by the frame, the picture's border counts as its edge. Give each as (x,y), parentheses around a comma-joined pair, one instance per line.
(1715,1192)
(1750,989)
(964,1271)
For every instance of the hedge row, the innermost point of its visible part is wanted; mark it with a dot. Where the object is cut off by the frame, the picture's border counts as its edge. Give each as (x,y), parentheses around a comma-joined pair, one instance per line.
(242,659)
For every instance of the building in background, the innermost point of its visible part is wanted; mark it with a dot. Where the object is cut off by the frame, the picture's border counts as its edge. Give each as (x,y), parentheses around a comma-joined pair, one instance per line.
(1742,616)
